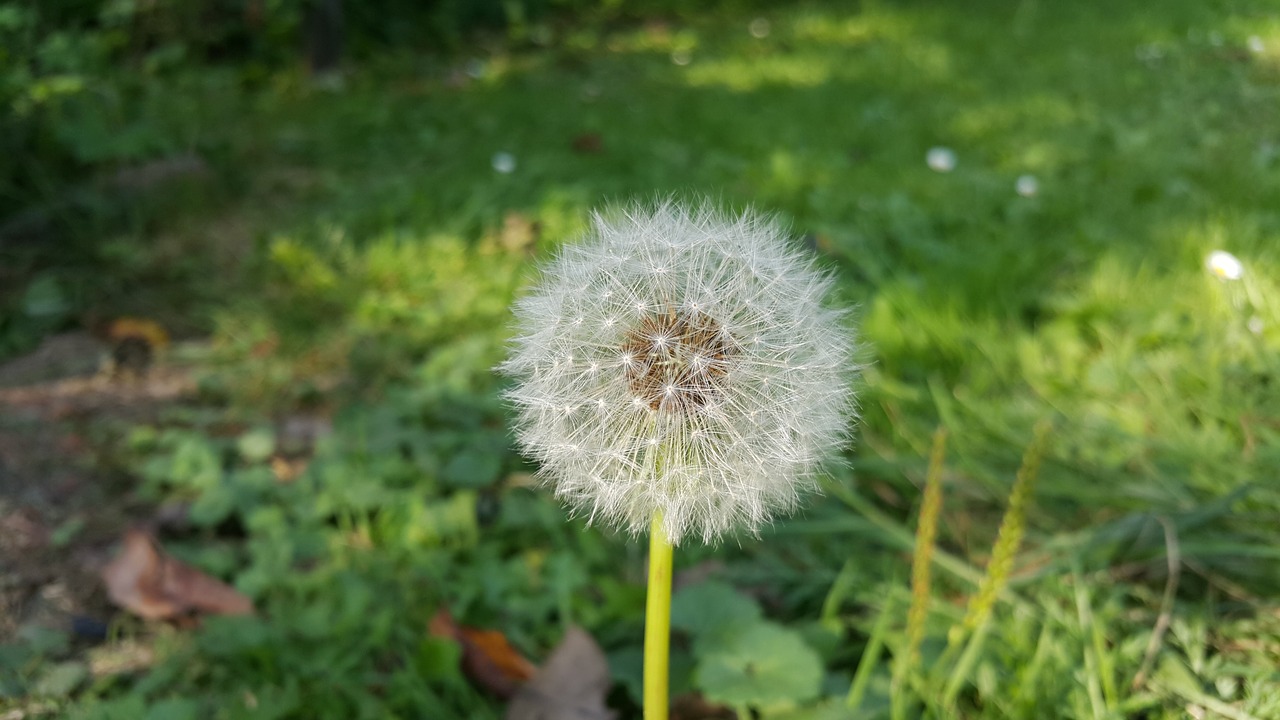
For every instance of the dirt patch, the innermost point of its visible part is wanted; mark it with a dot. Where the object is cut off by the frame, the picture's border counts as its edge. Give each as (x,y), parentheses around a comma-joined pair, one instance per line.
(62,506)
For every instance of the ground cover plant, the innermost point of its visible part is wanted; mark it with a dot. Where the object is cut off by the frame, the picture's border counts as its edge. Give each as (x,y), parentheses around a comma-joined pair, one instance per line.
(1019,200)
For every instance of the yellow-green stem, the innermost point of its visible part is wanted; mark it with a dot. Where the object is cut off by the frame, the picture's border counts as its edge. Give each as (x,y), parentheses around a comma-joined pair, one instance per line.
(657,623)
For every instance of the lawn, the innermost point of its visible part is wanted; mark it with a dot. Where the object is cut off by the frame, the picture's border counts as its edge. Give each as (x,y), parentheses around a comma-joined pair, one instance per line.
(1019,201)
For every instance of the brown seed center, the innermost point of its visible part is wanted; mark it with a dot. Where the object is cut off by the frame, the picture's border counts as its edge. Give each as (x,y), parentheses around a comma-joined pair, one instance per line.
(677,360)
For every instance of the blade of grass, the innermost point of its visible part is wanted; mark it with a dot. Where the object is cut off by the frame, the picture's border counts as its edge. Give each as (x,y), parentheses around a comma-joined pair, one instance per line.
(1084,615)
(870,656)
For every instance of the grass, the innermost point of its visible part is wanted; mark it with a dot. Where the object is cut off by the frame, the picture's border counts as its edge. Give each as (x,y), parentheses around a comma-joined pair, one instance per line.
(370,248)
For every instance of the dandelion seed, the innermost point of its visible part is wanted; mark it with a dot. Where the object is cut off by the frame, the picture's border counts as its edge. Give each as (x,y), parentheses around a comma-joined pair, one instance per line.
(681,57)
(727,387)
(759,28)
(940,159)
(1225,265)
(1027,185)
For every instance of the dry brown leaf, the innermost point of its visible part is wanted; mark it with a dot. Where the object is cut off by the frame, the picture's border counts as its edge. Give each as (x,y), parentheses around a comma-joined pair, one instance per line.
(488,660)
(147,582)
(487,654)
(147,331)
(572,683)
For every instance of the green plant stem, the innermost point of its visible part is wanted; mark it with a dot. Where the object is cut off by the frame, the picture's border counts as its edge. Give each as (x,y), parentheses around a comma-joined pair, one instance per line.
(657,623)
(870,656)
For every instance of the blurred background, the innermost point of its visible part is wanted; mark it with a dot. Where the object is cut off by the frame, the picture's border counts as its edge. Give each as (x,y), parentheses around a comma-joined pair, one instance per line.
(255,263)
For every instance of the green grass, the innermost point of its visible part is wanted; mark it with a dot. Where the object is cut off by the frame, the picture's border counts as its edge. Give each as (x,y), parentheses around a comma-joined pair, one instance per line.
(363,244)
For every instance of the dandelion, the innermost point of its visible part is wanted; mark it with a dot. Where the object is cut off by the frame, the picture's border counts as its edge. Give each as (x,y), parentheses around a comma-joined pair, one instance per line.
(679,370)
(681,363)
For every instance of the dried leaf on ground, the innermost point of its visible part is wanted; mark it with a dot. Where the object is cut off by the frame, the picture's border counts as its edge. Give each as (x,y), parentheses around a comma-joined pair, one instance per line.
(147,582)
(134,343)
(487,658)
(572,683)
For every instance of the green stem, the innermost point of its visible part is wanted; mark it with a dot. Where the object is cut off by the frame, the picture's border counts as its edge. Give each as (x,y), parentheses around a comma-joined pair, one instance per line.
(657,623)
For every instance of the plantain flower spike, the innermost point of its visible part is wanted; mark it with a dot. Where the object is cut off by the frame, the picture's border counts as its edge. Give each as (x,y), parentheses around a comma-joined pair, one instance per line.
(681,363)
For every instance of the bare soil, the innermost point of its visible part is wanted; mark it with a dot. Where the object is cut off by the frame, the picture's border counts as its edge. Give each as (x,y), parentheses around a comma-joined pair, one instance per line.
(63,505)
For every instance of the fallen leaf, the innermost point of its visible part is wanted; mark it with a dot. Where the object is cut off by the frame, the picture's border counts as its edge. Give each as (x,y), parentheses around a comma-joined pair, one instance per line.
(487,658)
(149,332)
(572,684)
(134,343)
(149,583)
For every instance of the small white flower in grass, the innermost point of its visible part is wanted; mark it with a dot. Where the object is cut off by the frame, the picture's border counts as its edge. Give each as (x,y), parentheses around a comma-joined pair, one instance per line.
(940,159)
(721,377)
(504,162)
(1224,265)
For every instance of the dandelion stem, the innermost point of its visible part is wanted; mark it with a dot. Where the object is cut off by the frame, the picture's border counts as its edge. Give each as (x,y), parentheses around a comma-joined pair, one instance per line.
(657,623)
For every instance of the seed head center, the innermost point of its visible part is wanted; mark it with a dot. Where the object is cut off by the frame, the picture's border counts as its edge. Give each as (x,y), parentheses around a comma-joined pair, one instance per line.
(678,359)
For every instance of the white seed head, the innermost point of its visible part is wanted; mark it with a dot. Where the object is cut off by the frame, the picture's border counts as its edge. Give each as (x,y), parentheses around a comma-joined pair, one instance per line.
(712,379)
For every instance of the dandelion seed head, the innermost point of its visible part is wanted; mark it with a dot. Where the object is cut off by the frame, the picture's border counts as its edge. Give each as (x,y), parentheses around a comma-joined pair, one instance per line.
(720,377)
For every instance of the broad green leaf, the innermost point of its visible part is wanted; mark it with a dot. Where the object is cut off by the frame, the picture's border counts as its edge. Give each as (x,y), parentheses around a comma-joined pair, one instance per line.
(711,610)
(764,665)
